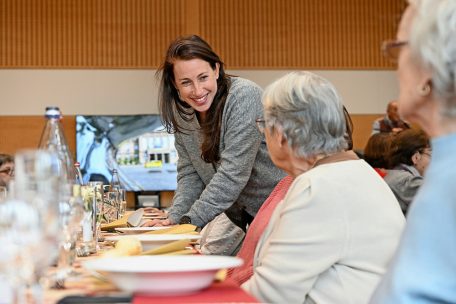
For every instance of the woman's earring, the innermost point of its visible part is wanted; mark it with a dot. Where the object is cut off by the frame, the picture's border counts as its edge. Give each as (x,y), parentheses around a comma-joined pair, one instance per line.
(424,90)
(179,94)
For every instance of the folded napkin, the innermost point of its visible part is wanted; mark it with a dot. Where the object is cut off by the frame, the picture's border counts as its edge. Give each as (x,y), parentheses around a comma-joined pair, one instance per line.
(174,248)
(130,219)
(178,229)
(125,247)
(129,246)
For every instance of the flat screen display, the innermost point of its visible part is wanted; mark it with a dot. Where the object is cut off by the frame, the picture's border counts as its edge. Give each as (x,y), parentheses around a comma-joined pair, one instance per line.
(137,146)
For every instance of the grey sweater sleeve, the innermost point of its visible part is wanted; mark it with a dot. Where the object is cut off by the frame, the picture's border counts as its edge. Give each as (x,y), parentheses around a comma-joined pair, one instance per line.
(189,184)
(239,147)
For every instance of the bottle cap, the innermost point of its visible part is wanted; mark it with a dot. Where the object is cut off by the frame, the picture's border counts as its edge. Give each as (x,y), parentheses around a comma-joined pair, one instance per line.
(52,112)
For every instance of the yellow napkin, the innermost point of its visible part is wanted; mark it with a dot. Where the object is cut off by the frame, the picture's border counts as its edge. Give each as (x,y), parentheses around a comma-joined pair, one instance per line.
(131,218)
(178,229)
(172,247)
(120,223)
(125,247)
(132,246)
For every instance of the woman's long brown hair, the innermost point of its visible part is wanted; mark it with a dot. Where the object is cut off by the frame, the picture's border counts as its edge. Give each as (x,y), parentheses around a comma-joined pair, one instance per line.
(187,48)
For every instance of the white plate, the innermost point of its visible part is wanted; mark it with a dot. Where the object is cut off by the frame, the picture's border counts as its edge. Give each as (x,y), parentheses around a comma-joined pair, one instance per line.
(153,217)
(137,230)
(164,275)
(151,241)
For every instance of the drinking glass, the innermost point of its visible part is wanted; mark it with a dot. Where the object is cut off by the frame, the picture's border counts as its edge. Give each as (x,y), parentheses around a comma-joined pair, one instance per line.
(70,217)
(122,202)
(3,193)
(90,224)
(29,222)
(111,206)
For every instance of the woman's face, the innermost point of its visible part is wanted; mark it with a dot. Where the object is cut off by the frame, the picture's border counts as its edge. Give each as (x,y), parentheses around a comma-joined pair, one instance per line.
(196,83)
(411,75)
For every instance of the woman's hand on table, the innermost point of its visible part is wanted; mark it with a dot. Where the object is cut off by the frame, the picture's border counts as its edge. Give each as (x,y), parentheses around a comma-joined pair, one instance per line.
(157,223)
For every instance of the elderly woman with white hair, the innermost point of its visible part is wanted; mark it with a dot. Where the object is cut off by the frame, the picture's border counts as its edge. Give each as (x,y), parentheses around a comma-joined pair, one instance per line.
(331,238)
(424,268)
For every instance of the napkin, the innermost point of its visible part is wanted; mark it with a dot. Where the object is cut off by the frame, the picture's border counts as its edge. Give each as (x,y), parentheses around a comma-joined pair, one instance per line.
(173,248)
(125,247)
(132,246)
(132,219)
(178,229)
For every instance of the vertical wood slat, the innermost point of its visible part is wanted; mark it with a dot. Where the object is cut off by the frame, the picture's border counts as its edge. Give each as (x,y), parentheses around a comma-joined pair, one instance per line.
(318,34)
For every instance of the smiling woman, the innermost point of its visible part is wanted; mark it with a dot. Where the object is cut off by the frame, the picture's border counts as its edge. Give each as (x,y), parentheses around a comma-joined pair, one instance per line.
(223,163)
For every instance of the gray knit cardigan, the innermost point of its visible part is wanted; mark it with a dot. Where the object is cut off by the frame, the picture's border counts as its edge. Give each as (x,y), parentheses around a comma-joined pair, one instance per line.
(245,175)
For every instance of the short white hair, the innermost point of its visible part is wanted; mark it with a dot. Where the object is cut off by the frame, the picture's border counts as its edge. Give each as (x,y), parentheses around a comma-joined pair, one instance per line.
(308,110)
(433,43)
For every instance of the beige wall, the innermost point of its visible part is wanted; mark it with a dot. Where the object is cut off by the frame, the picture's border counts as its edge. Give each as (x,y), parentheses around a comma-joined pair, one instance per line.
(28,91)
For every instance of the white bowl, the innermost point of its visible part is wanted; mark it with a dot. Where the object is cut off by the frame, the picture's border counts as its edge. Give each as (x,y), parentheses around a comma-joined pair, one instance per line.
(163,275)
(151,241)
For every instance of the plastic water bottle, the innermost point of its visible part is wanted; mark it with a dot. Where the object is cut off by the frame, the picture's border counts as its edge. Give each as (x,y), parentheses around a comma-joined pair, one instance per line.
(53,139)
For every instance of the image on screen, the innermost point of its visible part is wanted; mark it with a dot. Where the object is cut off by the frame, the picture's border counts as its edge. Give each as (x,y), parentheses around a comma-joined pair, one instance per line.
(138,146)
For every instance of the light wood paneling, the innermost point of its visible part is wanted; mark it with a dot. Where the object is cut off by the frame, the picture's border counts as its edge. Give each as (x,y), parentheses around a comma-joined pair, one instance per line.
(362,129)
(317,34)
(310,34)
(87,33)
(24,132)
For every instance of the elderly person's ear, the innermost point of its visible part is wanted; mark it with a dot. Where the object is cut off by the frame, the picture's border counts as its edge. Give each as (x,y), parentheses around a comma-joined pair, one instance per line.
(279,137)
(425,88)
(416,157)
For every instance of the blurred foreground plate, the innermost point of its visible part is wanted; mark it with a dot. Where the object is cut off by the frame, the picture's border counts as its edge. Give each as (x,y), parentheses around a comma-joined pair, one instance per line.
(163,275)
(151,241)
(154,217)
(137,230)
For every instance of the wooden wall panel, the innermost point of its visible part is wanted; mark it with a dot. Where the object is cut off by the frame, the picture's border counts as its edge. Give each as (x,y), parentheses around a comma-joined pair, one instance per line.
(87,33)
(312,34)
(24,132)
(316,34)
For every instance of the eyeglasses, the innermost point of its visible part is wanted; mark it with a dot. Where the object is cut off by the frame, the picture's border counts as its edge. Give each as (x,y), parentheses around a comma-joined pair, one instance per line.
(260,123)
(8,171)
(392,48)
(427,153)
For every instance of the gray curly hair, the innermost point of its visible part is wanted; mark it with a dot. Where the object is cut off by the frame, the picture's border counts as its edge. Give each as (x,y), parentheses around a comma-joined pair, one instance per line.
(433,44)
(308,110)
